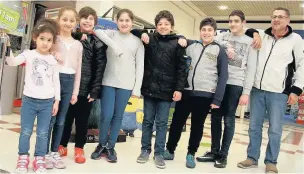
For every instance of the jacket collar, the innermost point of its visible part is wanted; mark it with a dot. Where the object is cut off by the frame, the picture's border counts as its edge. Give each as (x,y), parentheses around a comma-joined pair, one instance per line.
(165,37)
(269,31)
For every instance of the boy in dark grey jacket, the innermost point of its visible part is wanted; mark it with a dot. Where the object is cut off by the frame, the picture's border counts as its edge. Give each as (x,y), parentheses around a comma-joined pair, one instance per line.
(207,79)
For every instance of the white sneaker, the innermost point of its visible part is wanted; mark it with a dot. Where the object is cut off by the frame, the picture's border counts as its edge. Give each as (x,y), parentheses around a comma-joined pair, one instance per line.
(58,163)
(49,161)
(39,165)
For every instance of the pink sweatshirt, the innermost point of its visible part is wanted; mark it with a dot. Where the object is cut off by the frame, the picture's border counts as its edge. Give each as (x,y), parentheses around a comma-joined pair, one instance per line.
(74,57)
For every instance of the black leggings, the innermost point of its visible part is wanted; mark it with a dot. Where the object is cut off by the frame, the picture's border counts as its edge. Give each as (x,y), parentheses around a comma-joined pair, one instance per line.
(80,112)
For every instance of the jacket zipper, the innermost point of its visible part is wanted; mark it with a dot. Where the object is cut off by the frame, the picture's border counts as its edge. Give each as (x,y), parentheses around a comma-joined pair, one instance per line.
(273,43)
(196,66)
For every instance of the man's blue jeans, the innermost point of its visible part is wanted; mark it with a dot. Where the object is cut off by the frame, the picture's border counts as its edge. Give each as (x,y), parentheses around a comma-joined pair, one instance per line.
(275,106)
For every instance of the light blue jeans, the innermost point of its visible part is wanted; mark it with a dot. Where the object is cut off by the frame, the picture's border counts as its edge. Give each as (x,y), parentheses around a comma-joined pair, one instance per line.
(31,107)
(275,106)
(113,103)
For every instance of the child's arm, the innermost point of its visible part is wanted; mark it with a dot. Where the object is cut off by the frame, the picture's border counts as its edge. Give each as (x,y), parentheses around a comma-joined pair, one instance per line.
(181,68)
(105,36)
(139,65)
(100,64)
(15,61)
(78,71)
(138,32)
(222,69)
(56,82)
(250,71)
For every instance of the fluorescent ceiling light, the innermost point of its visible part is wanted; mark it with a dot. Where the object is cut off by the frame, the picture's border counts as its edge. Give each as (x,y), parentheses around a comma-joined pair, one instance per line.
(223,7)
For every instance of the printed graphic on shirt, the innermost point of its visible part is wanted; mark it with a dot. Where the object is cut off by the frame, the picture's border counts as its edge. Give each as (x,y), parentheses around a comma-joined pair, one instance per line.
(240,52)
(41,72)
(211,56)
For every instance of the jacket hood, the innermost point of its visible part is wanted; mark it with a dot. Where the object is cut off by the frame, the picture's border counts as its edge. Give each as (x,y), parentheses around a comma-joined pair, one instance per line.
(269,31)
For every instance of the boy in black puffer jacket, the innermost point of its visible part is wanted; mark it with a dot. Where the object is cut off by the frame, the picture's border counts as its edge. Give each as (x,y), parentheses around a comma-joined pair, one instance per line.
(164,80)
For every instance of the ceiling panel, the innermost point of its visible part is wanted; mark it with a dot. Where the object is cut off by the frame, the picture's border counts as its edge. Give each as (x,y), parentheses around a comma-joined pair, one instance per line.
(250,8)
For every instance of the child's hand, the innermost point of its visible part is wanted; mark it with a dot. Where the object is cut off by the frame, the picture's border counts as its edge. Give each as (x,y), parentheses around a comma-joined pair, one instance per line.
(213,106)
(182,42)
(257,41)
(90,99)
(55,108)
(145,38)
(74,99)
(84,37)
(244,99)
(58,57)
(177,96)
(230,51)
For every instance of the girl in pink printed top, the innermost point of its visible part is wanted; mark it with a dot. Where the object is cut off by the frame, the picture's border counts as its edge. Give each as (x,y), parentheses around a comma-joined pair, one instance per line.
(41,86)
(70,51)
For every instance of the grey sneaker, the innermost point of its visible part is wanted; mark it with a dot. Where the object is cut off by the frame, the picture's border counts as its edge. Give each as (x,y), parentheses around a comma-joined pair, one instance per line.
(271,168)
(247,164)
(159,161)
(168,156)
(143,157)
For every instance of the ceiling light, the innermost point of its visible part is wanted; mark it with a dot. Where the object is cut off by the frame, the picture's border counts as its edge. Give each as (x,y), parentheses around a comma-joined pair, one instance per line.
(302,5)
(223,7)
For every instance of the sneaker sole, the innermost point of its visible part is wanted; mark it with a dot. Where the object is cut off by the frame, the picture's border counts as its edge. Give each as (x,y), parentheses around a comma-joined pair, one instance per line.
(219,167)
(205,160)
(111,161)
(247,167)
(190,167)
(141,161)
(160,167)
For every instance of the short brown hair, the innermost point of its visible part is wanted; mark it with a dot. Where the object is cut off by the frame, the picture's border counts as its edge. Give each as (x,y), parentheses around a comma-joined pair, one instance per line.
(85,12)
(208,21)
(67,8)
(238,13)
(46,25)
(283,9)
(164,14)
(129,12)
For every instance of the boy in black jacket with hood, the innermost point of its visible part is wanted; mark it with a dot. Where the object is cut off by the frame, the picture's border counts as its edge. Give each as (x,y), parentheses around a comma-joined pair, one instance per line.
(164,80)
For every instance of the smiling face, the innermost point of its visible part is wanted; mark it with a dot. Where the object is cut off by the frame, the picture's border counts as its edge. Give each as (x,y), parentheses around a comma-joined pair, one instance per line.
(67,21)
(279,20)
(164,26)
(207,34)
(124,22)
(236,24)
(87,24)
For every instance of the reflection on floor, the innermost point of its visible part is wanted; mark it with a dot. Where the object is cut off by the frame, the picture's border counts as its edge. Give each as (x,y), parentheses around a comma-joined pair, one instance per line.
(291,158)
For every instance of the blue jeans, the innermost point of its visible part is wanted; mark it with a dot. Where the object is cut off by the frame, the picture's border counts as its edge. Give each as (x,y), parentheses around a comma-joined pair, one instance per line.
(275,106)
(227,110)
(57,123)
(155,110)
(113,103)
(42,108)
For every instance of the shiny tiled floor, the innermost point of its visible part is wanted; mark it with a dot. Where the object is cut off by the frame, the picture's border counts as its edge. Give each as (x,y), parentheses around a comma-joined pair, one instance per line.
(291,158)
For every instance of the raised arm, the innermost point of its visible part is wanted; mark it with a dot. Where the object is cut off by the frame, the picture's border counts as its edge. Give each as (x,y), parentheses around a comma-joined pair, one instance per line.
(15,61)
(139,63)
(106,37)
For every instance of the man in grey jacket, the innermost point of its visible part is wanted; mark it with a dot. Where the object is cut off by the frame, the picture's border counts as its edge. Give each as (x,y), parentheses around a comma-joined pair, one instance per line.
(241,70)
(280,59)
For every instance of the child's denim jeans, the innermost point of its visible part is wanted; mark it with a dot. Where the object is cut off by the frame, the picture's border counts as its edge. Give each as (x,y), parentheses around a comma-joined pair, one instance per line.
(31,107)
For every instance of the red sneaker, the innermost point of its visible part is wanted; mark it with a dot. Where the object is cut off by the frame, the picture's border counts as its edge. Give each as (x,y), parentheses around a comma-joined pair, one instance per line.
(79,156)
(63,151)
(22,164)
(39,165)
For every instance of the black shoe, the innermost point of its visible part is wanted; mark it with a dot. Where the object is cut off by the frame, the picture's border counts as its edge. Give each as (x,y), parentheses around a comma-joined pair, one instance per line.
(111,155)
(221,162)
(207,157)
(99,151)
(131,134)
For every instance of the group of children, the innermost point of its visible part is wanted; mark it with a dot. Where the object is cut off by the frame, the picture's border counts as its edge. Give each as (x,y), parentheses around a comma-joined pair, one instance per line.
(116,65)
